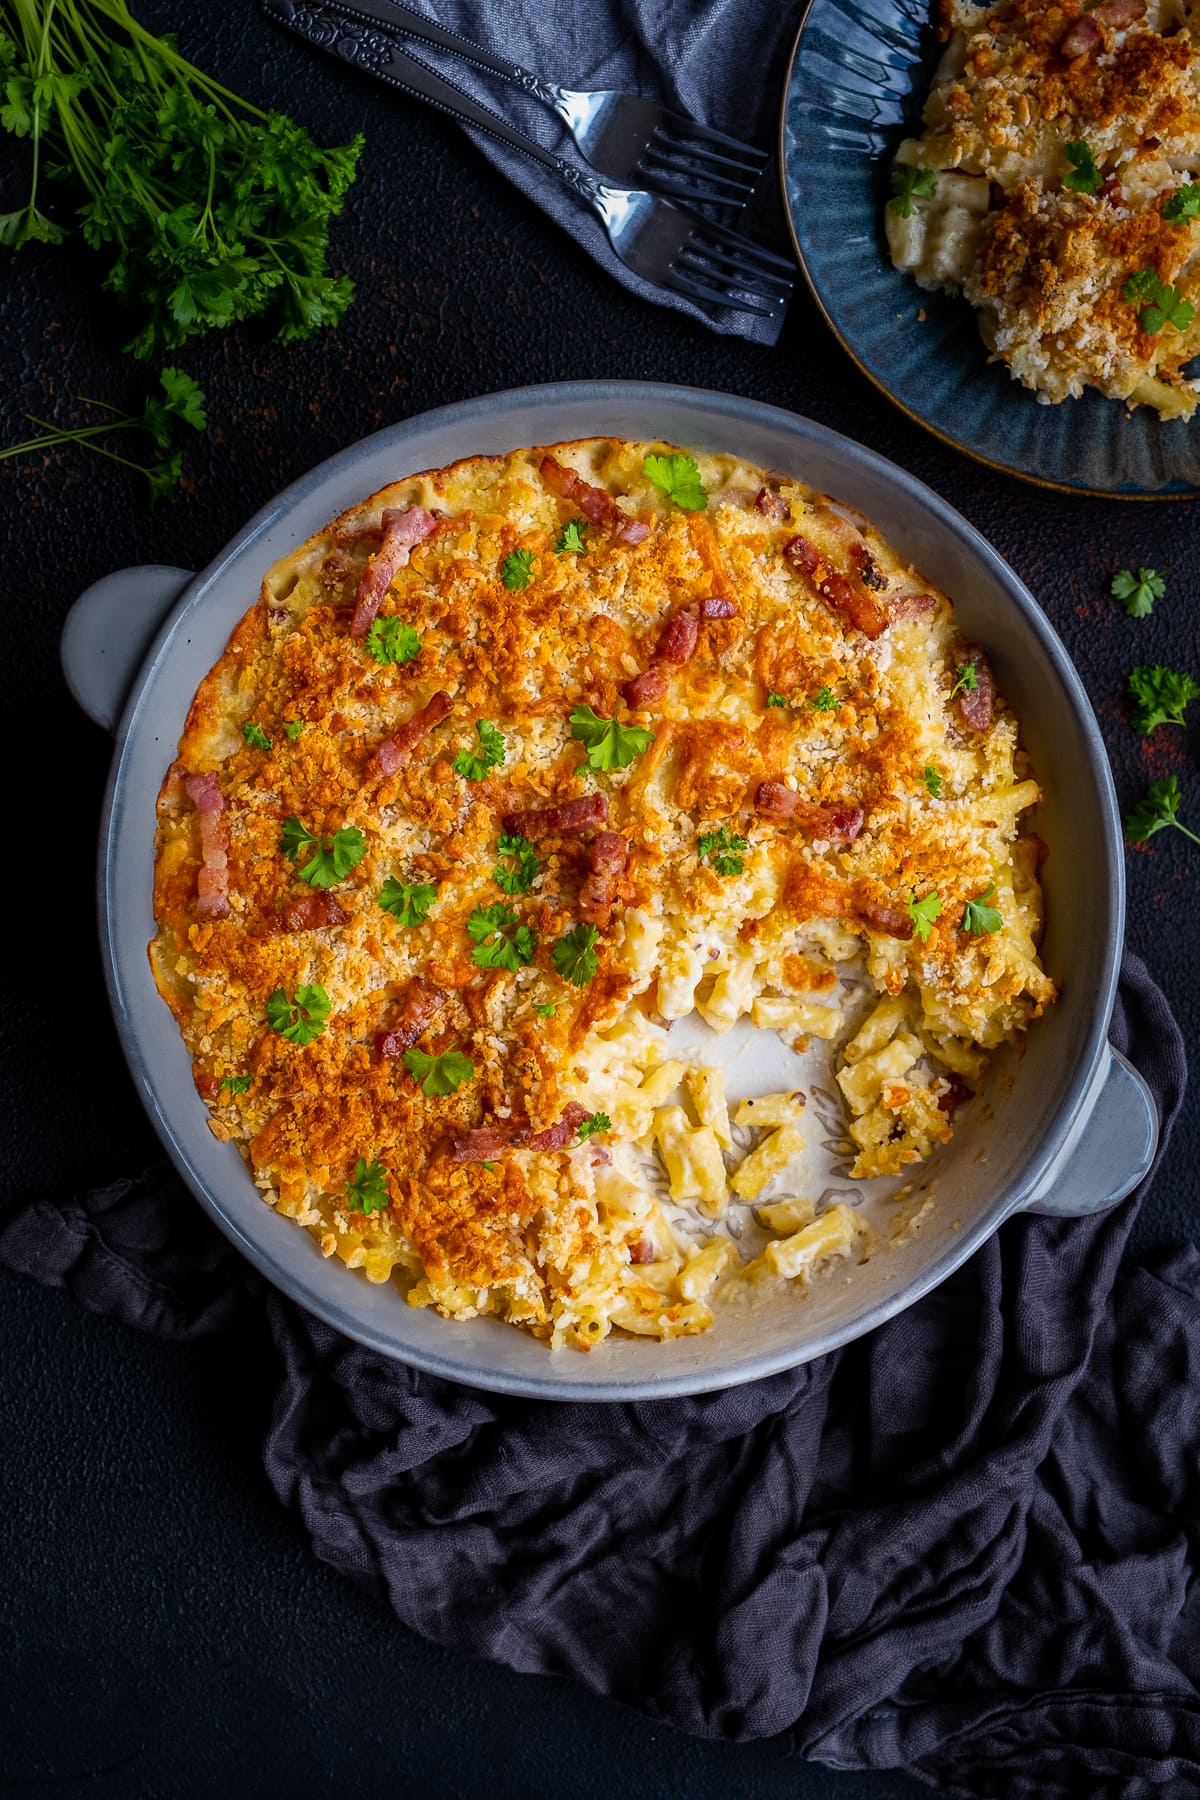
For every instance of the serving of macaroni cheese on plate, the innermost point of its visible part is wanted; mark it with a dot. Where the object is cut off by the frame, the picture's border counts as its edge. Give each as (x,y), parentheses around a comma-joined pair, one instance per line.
(525,791)
(1057,186)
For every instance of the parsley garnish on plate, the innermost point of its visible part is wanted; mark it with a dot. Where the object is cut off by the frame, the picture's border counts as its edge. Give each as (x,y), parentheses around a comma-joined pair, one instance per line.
(332,858)
(825,700)
(209,211)
(1158,808)
(408,901)
(720,848)
(500,942)
(978,916)
(1156,303)
(488,753)
(608,745)
(774,699)
(546,1012)
(909,184)
(1160,696)
(678,477)
(966,683)
(255,736)
(516,571)
(597,1121)
(933,781)
(1184,203)
(439,1075)
(237,1084)
(1083,177)
(574,955)
(1137,593)
(570,538)
(293,727)
(923,913)
(390,640)
(302,1019)
(490,1167)
(519,867)
(367,1188)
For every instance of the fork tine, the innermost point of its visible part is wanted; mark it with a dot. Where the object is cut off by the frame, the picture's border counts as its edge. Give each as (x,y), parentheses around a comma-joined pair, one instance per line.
(721,239)
(677,146)
(683,284)
(693,192)
(672,178)
(690,128)
(716,264)
(732,279)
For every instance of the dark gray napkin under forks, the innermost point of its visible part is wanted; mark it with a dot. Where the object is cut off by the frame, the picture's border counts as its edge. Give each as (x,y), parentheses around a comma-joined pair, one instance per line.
(720,61)
(966,1545)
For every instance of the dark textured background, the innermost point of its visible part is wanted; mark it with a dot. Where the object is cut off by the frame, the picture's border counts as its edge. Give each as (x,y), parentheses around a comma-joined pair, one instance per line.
(164,1629)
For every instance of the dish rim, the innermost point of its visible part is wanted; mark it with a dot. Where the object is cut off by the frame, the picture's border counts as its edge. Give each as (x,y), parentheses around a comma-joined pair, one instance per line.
(943,437)
(575,398)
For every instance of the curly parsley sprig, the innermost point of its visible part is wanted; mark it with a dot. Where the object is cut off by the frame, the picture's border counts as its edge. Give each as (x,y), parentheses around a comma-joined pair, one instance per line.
(1158,808)
(721,849)
(209,210)
(182,403)
(367,1188)
(1160,696)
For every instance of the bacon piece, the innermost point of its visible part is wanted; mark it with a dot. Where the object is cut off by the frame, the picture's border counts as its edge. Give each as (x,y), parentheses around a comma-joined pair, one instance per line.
(314,912)
(678,641)
(886,919)
(977,707)
(642,1251)
(212,882)
(402,529)
(1115,15)
(570,818)
(864,611)
(396,750)
(487,1141)
(869,571)
(906,606)
(716,606)
(771,504)
(956,1092)
(597,506)
(839,821)
(420,1004)
(648,687)
(803,555)
(632,531)
(608,855)
(1080,39)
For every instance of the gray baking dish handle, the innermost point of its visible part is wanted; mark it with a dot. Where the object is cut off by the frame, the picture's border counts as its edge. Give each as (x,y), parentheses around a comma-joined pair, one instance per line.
(1110,1148)
(109,631)
(107,635)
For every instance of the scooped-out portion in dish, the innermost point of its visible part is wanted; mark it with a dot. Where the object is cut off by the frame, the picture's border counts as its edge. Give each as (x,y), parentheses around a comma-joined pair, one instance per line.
(520,785)
(1055,185)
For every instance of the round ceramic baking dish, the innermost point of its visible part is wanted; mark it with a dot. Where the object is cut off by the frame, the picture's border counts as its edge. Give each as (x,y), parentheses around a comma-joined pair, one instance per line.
(1068,1128)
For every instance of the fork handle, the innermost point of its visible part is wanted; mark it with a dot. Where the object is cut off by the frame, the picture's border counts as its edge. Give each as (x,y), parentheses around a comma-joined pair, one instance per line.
(427,31)
(338,29)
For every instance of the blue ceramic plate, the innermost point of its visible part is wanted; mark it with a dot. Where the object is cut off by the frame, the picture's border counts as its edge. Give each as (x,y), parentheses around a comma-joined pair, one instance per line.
(856,83)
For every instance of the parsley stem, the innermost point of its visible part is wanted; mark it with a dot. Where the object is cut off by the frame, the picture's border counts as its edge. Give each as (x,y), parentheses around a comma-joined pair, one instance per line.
(1185,831)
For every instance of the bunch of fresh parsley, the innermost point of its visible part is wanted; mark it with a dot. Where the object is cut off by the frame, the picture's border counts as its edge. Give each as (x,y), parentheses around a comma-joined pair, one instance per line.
(182,403)
(210,210)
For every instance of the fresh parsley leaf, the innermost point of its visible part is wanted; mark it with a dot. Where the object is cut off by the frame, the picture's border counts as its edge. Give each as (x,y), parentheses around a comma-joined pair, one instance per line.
(1137,593)
(720,849)
(923,913)
(909,184)
(500,942)
(574,955)
(302,1019)
(237,1084)
(332,858)
(570,538)
(390,640)
(439,1075)
(293,727)
(597,1121)
(1157,304)
(490,1167)
(473,765)
(1183,204)
(608,745)
(966,683)
(1160,696)
(1084,177)
(978,917)
(408,901)
(933,781)
(516,571)
(774,699)
(1158,808)
(367,1188)
(679,479)
(825,700)
(255,736)
(516,874)
(546,1012)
